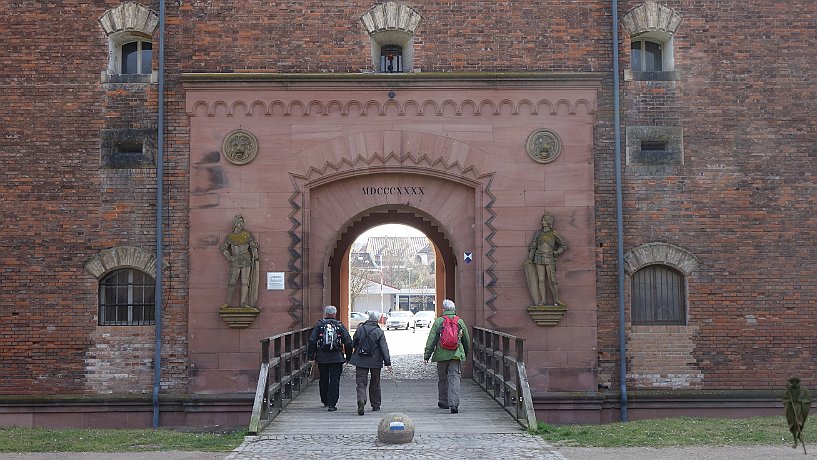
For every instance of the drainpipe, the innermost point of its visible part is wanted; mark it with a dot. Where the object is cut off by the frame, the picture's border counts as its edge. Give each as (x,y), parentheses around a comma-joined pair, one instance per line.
(160,138)
(622,340)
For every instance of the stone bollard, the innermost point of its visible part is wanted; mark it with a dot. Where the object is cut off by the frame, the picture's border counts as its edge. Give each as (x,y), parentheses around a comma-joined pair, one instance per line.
(395,428)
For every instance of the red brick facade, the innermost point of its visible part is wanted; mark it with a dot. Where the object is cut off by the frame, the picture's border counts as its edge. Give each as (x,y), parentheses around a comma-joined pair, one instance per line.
(741,201)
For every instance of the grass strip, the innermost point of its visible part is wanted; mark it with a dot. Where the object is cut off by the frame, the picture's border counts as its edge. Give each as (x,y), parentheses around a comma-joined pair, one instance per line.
(24,440)
(677,432)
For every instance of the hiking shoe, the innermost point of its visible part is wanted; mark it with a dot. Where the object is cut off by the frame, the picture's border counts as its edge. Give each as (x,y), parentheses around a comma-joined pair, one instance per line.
(454,409)
(333,408)
(360,406)
(442,406)
(375,409)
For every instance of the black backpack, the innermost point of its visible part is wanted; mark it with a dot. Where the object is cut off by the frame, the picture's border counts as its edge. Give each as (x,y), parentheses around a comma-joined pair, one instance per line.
(365,346)
(329,337)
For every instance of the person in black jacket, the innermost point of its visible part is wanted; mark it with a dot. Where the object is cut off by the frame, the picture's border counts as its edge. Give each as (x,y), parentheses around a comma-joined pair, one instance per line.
(329,355)
(371,352)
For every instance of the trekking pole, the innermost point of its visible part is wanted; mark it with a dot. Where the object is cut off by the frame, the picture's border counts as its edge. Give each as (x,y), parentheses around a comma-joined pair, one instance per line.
(393,377)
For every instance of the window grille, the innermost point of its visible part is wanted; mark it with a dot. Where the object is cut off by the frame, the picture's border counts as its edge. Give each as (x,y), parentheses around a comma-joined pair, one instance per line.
(391,59)
(127,298)
(658,296)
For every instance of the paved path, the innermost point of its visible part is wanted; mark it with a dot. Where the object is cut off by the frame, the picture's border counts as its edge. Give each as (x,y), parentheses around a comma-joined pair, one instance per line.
(482,429)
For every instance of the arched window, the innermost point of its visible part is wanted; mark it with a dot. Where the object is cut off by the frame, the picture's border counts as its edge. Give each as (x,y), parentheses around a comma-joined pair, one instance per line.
(391,59)
(391,26)
(647,56)
(129,28)
(127,298)
(136,58)
(651,27)
(658,296)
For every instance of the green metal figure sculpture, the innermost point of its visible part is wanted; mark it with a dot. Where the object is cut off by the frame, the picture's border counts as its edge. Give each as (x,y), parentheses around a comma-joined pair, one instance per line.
(796,402)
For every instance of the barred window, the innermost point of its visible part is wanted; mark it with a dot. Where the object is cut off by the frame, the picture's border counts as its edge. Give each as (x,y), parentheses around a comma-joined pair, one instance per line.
(658,296)
(127,298)
(391,59)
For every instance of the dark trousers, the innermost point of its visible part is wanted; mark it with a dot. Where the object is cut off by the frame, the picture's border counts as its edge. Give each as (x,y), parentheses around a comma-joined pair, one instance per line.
(362,379)
(330,383)
(448,383)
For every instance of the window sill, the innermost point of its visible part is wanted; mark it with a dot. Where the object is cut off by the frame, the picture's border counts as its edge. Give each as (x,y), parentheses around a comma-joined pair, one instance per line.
(668,75)
(151,78)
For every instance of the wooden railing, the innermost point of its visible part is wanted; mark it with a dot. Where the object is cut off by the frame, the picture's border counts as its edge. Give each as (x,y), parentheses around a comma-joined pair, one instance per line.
(499,368)
(284,374)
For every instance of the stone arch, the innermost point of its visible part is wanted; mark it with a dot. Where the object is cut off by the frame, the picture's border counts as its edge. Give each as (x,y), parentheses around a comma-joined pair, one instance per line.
(131,17)
(114,258)
(651,17)
(331,171)
(446,283)
(660,253)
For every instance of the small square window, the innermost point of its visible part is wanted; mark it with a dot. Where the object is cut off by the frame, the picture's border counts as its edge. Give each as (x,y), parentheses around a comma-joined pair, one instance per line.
(128,148)
(655,146)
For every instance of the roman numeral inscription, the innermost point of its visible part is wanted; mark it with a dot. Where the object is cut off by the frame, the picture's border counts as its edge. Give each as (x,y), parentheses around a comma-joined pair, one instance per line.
(393,191)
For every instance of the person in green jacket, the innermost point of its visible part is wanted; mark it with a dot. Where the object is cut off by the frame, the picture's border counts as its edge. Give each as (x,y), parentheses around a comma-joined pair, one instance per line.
(449,362)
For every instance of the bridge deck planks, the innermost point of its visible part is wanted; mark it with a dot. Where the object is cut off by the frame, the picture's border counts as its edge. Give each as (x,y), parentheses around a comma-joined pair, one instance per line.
(415,398)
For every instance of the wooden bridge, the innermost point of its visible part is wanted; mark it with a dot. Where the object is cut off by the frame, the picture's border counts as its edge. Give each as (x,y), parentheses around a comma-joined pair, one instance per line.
(497,400)
(495,408)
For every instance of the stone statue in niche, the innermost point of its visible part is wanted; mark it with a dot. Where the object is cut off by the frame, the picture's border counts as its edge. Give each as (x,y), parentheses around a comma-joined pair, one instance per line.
(540,266)
(241,250)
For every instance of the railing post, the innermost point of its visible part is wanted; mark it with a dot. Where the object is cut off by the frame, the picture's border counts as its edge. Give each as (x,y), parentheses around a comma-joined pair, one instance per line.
(501,373)
(283,373)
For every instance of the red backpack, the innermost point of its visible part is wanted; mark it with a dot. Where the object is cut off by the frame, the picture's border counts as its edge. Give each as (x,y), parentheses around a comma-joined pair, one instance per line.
(450,332)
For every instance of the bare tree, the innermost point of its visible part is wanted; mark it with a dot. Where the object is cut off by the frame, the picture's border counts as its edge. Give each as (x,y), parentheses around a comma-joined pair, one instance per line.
(359,281)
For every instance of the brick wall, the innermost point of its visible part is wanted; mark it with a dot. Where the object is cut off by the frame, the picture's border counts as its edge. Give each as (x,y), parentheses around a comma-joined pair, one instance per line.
(743,200)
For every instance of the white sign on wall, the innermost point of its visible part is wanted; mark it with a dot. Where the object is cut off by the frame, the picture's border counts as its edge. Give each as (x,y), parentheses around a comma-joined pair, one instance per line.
(275,281)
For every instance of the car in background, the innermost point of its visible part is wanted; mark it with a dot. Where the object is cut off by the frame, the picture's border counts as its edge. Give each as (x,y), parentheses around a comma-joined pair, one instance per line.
(424,318)
(356,318)
(400,320)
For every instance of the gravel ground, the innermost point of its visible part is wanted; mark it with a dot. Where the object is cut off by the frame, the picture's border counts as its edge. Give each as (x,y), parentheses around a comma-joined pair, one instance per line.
(406,367)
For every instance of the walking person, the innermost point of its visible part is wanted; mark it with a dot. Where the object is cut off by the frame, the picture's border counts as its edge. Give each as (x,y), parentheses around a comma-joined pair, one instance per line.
(447,345)
(328,343)
(371,352)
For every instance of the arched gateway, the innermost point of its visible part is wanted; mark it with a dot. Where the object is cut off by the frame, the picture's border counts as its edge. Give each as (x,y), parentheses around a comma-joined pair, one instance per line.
(312,162)
(445,260)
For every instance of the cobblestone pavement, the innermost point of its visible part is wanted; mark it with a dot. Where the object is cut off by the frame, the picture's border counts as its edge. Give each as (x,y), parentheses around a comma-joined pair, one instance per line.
(406,367)
(433,447)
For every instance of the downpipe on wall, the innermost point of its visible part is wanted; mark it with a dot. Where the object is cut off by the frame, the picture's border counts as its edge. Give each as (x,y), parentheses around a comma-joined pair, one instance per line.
(157,359)
(622,339)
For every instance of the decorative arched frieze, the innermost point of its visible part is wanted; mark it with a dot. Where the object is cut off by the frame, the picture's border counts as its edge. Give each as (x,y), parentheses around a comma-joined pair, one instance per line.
(123,257)
(523,106)
(660,253)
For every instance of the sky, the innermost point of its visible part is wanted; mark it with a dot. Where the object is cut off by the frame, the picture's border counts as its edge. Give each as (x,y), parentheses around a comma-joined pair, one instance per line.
(390,230)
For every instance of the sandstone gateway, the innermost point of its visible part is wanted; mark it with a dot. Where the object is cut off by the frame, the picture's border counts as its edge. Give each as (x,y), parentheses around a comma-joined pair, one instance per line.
(671,144)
